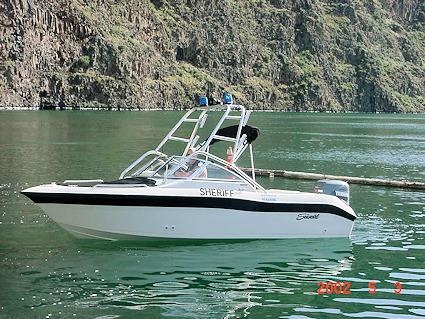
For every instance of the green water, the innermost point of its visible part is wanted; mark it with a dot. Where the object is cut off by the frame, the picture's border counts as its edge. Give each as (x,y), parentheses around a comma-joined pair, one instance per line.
(44,272)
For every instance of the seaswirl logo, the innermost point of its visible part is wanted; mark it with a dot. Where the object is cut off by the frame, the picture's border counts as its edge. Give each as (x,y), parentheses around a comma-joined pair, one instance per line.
(307,216)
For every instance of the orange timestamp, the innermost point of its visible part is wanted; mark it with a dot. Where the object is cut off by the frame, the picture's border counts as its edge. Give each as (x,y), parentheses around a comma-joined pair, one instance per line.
(343,288)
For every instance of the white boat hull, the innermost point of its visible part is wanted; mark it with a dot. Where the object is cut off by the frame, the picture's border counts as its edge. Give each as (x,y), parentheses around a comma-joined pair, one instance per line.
(192,213)
(115,223)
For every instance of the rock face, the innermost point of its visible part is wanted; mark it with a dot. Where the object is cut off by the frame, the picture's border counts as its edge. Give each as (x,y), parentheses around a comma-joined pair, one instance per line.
(366,55)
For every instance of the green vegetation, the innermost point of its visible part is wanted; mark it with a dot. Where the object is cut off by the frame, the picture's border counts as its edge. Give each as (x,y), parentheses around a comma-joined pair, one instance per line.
(290,55)
(337,57)
(84,61)
(320,80)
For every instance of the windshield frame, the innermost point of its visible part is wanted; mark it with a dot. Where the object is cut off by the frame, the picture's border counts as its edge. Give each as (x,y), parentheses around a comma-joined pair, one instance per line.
(172,164)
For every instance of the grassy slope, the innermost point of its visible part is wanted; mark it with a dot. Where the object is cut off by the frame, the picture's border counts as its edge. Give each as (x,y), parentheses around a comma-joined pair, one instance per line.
(361,55)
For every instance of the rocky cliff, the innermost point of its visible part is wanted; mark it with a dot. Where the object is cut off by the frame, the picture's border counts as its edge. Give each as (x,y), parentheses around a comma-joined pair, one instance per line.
(359,55)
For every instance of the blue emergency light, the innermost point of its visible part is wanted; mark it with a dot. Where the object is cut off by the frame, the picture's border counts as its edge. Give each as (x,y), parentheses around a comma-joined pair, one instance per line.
(227,98)
(203,101)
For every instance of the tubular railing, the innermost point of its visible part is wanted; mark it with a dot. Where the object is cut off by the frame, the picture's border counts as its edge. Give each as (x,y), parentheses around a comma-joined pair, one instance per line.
(240,143)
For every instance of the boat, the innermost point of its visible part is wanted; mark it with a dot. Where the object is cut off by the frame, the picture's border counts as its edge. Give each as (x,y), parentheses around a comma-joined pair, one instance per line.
(191,187)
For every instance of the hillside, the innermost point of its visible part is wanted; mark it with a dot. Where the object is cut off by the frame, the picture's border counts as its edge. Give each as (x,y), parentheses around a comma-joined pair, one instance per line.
(355,55)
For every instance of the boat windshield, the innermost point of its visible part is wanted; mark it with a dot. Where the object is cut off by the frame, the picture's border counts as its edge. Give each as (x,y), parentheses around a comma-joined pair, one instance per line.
(191,167)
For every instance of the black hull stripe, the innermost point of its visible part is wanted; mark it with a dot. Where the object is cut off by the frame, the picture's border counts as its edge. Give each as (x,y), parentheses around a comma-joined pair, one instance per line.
(177,201)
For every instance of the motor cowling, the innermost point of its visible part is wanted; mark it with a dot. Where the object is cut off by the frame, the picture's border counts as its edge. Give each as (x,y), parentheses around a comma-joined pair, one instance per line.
(336,188)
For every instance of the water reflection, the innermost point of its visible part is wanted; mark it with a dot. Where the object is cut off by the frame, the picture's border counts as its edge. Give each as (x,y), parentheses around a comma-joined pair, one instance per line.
(191,280)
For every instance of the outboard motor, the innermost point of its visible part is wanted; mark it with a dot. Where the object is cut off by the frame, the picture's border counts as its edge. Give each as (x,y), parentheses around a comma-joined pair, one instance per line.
(336,188)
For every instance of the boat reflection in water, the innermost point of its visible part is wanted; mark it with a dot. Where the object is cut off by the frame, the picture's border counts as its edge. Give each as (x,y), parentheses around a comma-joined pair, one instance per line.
(190,279)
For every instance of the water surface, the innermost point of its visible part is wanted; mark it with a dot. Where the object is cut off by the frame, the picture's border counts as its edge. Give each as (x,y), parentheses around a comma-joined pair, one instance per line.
(44,272)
